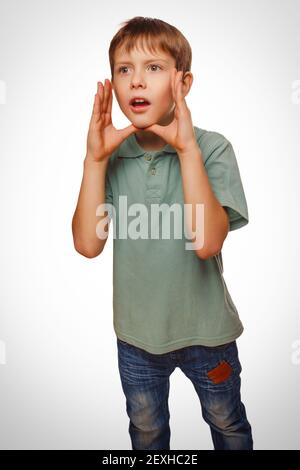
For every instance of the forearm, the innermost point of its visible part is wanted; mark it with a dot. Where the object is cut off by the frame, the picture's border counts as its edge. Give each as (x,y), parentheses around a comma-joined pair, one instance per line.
(197,190)
(84,222)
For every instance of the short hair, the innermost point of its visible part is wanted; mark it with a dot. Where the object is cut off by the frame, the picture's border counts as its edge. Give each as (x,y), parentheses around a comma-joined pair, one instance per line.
(156,35)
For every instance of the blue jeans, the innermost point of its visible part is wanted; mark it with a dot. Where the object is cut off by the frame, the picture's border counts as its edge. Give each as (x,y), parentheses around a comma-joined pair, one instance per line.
(215,374)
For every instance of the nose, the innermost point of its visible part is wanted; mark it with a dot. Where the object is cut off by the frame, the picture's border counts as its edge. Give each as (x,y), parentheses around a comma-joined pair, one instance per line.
(137,80)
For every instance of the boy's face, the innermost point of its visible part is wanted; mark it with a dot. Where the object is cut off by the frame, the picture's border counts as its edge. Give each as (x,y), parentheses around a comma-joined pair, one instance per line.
(146,75)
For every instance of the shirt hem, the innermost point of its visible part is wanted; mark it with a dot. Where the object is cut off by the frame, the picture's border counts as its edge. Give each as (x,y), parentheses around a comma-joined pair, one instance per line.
(178,344)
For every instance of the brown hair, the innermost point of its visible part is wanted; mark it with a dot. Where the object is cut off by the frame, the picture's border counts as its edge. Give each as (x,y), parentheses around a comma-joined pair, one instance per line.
(157,35)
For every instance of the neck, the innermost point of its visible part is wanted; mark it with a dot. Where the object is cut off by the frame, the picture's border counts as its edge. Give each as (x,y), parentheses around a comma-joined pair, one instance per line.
(148,140)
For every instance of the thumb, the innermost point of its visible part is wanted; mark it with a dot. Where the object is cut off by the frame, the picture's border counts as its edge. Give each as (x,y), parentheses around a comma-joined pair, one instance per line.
(127,131)
(157,129)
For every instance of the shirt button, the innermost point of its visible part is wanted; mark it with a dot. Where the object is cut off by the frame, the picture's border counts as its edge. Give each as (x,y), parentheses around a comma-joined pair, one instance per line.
(148,157)
(153,171)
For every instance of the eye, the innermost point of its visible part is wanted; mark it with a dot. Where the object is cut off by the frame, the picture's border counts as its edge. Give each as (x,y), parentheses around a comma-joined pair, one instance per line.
(121,68)
(155,65)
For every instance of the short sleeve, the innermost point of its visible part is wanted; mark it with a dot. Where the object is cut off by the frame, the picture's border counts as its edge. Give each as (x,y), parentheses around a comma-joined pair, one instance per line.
(225,179)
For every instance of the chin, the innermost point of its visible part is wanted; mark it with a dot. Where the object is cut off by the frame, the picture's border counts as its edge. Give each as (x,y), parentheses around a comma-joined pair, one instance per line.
(143,124)
(142,127)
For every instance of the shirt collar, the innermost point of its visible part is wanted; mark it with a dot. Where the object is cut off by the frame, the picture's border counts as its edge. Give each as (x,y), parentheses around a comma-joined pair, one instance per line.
(131,148)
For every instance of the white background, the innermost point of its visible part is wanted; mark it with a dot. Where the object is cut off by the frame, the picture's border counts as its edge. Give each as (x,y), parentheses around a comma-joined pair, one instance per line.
(59,381)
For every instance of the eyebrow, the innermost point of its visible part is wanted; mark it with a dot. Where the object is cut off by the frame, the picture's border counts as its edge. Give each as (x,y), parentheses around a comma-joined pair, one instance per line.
(154,59)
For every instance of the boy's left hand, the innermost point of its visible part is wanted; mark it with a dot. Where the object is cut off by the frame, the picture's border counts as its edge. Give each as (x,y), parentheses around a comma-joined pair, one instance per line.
(180,132)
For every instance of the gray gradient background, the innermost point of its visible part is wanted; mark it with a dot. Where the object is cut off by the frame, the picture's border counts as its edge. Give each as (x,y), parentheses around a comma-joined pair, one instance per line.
(60,387)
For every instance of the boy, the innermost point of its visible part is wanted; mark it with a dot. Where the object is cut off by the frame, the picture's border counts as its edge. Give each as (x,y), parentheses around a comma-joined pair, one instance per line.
(171,304)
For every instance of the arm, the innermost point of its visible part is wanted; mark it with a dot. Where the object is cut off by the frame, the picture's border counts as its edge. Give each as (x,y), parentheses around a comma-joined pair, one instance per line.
(92,193)
(197,189)
(103,138)
(196,186)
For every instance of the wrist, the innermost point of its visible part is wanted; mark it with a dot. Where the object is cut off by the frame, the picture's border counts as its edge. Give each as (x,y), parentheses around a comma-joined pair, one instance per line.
(190,151)
(91,161)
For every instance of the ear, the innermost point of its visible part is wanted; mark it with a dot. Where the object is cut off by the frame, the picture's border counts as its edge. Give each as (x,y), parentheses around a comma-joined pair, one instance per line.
(187,82)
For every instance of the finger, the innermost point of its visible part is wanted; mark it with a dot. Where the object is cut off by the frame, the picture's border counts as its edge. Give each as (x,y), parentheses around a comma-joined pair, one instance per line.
(158,130)
(173,83)
(100,93)
(109,106)
(176,79)
(179,88)
(96,108)
(106,96)
(178,83)
(126,132)
(107,115)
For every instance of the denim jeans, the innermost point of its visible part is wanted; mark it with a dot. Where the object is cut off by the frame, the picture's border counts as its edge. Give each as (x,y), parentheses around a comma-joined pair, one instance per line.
(215,374)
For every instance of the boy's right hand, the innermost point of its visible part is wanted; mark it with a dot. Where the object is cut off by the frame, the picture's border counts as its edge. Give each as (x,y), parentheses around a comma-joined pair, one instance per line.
(103,138)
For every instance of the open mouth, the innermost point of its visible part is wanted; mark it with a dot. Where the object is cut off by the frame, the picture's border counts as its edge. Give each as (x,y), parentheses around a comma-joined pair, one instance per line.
(139,104)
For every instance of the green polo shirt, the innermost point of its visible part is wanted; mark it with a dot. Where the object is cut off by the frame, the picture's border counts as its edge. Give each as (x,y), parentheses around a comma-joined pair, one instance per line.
(164,296)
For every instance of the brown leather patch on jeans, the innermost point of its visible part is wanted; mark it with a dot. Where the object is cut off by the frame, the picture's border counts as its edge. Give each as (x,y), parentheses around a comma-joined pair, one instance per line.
(220,373)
